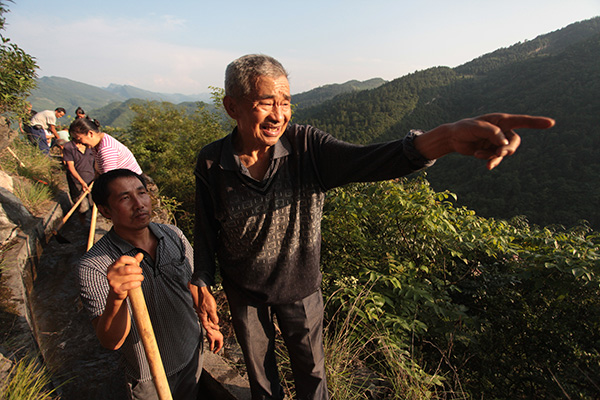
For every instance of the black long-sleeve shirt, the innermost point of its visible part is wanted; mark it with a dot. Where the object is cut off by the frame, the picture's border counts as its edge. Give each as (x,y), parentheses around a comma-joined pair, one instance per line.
(266,235)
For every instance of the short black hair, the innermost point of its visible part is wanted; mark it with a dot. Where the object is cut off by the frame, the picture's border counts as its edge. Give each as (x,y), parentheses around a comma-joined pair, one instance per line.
(60,109)
(100,192)
(82,126)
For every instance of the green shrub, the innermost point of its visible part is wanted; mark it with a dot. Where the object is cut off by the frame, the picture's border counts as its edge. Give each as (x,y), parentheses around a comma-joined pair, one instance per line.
(166,140)
(500,309)
(18,72)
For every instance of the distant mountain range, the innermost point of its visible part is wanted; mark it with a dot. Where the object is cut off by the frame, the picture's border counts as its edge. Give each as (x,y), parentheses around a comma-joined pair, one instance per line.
(53,91)
(110,105)
(327,92)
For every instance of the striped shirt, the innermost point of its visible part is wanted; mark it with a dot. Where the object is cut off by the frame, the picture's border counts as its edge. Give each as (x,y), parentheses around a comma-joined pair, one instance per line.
(167,296)
(112,154)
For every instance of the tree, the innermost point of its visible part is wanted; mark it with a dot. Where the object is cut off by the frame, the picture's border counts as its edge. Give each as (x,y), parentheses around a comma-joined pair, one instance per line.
(166,139)
(17,73)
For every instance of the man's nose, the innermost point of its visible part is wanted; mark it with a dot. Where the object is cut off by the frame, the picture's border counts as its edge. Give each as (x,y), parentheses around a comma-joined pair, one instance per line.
(138,202)
(277,112)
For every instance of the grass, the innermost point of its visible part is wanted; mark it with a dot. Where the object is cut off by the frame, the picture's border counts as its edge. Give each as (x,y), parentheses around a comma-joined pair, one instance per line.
(28,380)
(35,175)
(28,161)
(362,363)
(33,195)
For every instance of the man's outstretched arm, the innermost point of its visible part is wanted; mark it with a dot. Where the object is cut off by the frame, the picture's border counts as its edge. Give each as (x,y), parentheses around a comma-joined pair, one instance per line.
(488,137)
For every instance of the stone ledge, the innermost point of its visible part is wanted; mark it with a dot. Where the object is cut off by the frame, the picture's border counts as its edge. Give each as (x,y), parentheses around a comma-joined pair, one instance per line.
(223,381)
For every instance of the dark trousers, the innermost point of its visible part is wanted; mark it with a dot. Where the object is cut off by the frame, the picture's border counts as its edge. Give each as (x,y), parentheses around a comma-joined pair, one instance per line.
(301,325)
(40,136)
(184,385)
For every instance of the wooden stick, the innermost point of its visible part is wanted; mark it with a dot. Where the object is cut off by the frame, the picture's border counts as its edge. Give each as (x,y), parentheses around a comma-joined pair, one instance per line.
(92,234)
(15,156)
(144,327)
(72,210)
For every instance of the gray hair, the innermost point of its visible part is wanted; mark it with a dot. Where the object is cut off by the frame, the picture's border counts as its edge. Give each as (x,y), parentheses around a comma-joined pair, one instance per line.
(242,73)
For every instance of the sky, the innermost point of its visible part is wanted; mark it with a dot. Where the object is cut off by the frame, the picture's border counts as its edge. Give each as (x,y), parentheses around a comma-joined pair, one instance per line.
(184,47)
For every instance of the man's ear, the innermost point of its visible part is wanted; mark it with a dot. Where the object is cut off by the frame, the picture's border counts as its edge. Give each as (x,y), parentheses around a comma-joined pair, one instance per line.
(231,106)
(105,211)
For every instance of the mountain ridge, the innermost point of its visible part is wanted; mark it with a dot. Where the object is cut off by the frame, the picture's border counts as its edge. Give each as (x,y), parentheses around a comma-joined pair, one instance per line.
(110,105)
(552,179)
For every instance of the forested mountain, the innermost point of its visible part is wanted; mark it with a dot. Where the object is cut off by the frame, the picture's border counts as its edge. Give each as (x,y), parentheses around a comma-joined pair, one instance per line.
(327,92)
(554,176)
(132,92)
(109,105)
(53,91)
(119,114)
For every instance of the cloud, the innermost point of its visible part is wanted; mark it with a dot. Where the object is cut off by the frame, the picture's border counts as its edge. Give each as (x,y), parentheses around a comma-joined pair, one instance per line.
(138,52)
(171,21)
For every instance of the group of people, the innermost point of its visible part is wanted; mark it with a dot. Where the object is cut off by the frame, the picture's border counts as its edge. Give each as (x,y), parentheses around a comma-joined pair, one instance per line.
(86,151)
(259,201)
(41,128)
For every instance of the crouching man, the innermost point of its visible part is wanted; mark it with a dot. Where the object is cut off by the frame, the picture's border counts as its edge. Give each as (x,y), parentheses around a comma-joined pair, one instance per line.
(137,252)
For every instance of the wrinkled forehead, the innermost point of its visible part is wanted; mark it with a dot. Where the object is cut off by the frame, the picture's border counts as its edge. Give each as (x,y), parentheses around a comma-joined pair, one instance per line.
(264,87)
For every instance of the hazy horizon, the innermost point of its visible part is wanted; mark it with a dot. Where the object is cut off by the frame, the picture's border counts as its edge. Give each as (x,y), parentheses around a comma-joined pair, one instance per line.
(185,48)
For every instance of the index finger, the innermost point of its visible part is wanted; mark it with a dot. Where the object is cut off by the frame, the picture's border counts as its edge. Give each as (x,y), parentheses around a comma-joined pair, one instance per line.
(507,122)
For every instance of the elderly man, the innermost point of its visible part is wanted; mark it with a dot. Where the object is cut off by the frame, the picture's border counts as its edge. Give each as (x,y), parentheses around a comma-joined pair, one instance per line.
(259,202)
(43,127)
(157,257)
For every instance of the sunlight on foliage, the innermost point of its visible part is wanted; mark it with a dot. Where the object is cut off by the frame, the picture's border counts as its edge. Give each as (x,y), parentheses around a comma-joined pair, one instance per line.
(166,140)
(486,303)
(31,163)
(363,363)
(17,72)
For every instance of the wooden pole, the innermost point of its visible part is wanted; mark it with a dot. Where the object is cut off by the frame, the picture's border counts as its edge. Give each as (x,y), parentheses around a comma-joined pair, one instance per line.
(58,236)
(144,327)
(72,210)
(92,227)
(15,156)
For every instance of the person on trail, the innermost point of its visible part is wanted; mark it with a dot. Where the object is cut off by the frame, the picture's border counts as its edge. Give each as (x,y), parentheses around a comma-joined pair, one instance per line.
(79,161)
(79,113)
(137,252)
(110,153)
(25,125)
(259,201)
(43,127)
